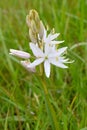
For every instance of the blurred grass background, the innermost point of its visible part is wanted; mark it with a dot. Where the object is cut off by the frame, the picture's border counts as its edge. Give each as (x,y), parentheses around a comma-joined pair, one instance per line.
(22,104)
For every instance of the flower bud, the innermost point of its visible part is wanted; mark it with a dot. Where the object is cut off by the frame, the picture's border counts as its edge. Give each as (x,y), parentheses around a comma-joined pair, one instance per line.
(33,36)
(28,20)
(41,30)
(36,27)
(33,15)
(19,53)
(25,65)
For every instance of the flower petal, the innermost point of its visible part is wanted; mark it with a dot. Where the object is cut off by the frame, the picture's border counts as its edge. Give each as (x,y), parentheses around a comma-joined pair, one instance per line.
(57,63)
(49,49)
(36,62)
(42,30)
(25,65)
(36,50)
(56,42)
(61,50)
(47,68)
(53,36)
(19,53)
(63,60)
(53,54)
(45,33)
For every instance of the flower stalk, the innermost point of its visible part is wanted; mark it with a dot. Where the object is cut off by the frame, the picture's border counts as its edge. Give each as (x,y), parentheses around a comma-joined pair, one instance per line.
(50,110)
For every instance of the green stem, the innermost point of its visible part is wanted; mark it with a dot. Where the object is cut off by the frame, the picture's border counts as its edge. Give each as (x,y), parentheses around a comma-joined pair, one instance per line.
(50,110)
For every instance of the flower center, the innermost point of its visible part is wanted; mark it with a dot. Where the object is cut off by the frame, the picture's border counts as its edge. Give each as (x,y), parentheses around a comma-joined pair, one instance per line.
(46,57)
(56,58)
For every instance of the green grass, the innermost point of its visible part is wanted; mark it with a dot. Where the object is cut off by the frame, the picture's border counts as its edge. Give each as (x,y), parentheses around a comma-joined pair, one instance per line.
(23,105)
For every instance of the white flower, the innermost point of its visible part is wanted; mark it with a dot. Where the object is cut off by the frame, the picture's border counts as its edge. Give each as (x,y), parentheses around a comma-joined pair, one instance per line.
(43,46)
(50,38)
(48,56)
(19,53)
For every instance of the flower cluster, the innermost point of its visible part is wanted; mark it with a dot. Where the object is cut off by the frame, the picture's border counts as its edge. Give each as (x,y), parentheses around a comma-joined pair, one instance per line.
(43,46)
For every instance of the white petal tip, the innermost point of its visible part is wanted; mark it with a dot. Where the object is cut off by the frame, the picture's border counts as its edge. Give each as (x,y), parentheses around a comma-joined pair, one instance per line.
(47,76)
(70,61)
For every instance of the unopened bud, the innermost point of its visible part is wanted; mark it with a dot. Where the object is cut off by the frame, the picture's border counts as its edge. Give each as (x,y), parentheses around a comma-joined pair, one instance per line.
(28,20)
(33,36)
(41,31)
(25,65)
(33,15)
(34,27)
